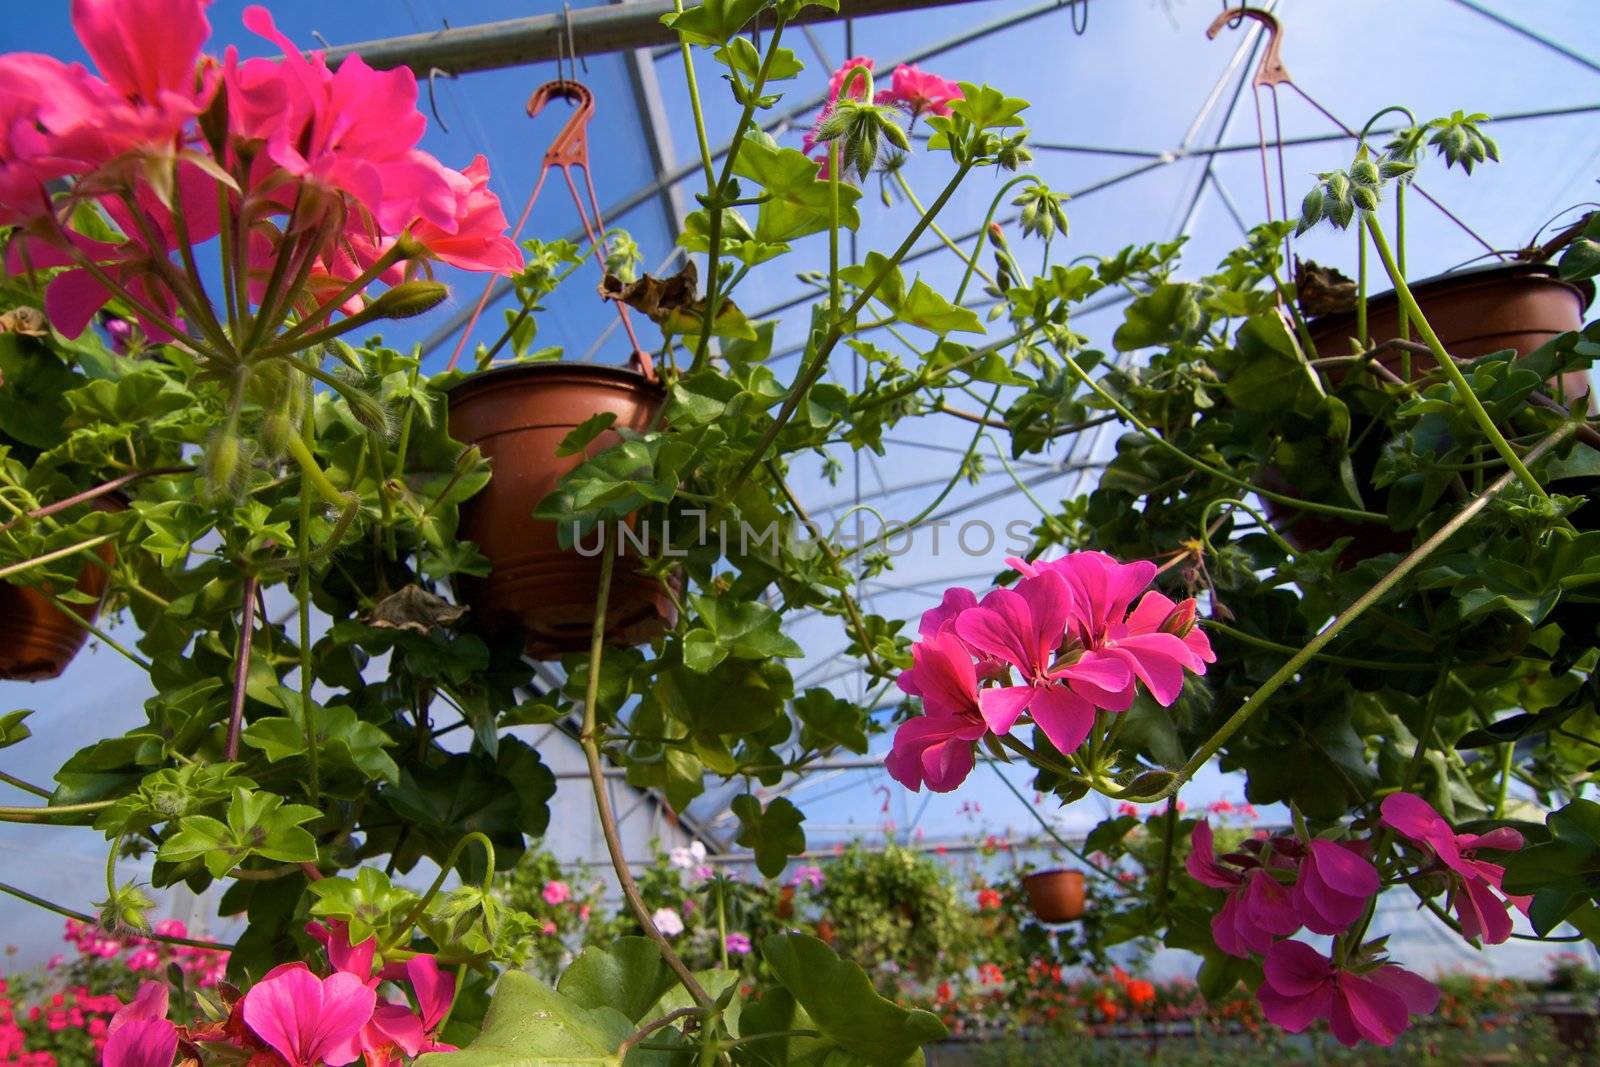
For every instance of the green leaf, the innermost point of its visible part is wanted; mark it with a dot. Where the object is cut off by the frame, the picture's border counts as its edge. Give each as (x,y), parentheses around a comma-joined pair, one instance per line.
(583,434)
(988,108)
(531,1025)
(714,22)
(928,310)
(829,720)
(33,406)
(843,1005)
(741,57)
(629,976)
(774,834)
(369,903)
(12,729)
(258,824)
(798,203)
(1165,315)
(341,737)
(745,629)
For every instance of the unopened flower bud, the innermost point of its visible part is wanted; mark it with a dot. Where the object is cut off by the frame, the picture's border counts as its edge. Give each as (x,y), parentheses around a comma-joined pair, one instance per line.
(276,429)
(1180,620)
(407,300)
(222,462)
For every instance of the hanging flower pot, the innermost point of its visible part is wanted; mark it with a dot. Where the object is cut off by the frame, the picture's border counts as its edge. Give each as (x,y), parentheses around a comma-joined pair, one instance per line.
(1475,312)
(38,639)
(1055,896)
(517,416)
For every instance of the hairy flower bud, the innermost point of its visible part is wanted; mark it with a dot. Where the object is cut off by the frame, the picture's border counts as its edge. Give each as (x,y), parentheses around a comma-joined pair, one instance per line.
(223,463)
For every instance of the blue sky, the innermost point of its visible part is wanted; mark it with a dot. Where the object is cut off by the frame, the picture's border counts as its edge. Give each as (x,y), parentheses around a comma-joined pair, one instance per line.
(1135,82)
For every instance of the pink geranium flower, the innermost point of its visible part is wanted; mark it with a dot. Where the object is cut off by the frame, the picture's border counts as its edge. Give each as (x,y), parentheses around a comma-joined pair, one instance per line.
(937,746)
(556,892)
(1259,907)
(478,240)
(1375,1004)
(1481,906)
(1024,627)
(309,1020)
(920,92)
(139,1034)
(1158,640)
(353,130)
(1333,888)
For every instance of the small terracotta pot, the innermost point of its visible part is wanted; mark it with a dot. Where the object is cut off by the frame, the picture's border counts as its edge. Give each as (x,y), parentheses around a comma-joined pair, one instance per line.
(785,905)
(517,416)
(825,932)
(1055,896)
(38,639)
(1474,312)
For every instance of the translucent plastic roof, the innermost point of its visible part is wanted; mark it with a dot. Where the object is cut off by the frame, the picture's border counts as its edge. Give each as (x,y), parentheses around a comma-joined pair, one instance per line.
(1152,127)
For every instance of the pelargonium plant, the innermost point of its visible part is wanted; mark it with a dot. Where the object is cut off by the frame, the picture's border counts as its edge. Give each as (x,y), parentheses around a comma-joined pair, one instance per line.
(1336,532)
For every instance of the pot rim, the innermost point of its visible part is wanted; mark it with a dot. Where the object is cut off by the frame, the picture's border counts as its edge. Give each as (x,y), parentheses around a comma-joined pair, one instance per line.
(542,373)
(1053,872)
(1467,277)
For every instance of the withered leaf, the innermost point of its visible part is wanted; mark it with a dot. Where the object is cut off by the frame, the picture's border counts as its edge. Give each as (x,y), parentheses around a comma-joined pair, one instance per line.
(1322,290)
(24,320)
(414,608)
(673,304)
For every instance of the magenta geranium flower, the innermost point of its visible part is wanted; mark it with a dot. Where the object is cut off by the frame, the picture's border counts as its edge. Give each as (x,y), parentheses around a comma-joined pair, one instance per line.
(139,1034)
(1481,906)
(937,746)
(309,1020)
(1259,908)
(1334,886)
(920,92)
(1158,640)
(1024,627)
(1374,1004)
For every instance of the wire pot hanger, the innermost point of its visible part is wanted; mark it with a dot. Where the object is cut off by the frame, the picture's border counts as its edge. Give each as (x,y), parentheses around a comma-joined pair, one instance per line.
(568,151)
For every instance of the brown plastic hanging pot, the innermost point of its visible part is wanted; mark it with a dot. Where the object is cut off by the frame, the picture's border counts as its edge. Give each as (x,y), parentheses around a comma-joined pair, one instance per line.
(1475,312)
(1055,896)
(517,416)
(38,639)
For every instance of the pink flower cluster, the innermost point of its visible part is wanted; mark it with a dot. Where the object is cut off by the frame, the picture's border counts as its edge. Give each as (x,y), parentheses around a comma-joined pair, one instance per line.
(1067,642)
(294,1018)
(1279,886)
(911,89)
(294,165)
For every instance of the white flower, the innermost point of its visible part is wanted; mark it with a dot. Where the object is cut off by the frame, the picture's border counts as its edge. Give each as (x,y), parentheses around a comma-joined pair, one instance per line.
(691,856)
(668,922)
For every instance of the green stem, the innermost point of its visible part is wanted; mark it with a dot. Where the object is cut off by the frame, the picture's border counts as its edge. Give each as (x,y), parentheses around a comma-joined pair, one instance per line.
(819,363)
(49,812)
(590,740)
(1325,657)
(26,787)
(1448,365)
(1059,840)
(835,284)
(972,260)
(301,453)
(445,868)
(302,594)
(852,609)
(69,913)
(1357,608)
(100,635)
(1222,475)
(983,231)
(716,194)
(694,103)
(51,557)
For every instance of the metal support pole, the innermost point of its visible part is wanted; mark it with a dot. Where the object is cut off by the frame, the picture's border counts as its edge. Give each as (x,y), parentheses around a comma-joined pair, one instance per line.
(537,38)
